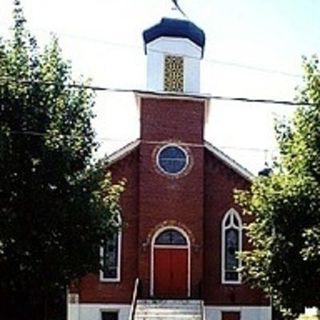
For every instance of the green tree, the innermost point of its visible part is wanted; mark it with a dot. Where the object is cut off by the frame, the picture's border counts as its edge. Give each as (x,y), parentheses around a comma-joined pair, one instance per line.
(285,234)
(56,205)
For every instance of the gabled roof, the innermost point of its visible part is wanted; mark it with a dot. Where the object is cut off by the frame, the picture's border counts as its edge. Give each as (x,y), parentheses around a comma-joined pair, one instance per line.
(234,165)
(231,163)
(122,152)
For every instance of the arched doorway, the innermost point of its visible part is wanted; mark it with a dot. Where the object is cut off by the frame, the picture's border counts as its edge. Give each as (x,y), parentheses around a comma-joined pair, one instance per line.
(170,264)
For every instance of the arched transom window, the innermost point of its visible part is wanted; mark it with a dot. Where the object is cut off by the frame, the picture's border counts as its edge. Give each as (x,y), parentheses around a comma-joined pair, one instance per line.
(231,245)
(171,237)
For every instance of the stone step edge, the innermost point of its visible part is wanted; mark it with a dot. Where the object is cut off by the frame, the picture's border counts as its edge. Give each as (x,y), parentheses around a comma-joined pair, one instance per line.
(169,316)
(168,301)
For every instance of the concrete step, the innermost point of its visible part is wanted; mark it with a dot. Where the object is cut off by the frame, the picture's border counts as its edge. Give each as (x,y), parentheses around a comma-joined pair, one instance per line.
(185,317)
(155,308)
(168,309)
(168,316)
(167,312)
(168,301)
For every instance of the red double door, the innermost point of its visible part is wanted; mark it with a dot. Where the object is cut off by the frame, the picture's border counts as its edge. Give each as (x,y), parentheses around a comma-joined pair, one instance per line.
(171,272)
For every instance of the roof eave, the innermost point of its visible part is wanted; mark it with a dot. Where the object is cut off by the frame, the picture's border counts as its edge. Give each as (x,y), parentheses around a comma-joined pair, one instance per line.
(122,152)
(231,163)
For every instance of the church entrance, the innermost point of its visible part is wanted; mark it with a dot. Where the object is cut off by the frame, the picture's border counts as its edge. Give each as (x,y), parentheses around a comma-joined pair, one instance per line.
(170,265)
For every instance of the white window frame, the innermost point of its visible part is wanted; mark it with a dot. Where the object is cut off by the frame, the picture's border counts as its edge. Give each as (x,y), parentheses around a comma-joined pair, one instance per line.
(232,213)
(118,277)
(186,165)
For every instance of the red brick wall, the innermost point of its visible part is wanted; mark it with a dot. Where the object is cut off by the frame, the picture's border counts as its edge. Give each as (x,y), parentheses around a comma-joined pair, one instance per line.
(220,181)
(176,119)
(91,288)
(171,200)
(196,202)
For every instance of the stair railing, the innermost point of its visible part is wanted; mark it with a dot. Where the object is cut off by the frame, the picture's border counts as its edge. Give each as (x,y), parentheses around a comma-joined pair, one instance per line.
(134,299)
(203,312)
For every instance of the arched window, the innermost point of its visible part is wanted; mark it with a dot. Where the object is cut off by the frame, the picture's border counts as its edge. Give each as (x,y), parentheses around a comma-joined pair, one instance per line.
(110,256)
(171,237)
(231,245)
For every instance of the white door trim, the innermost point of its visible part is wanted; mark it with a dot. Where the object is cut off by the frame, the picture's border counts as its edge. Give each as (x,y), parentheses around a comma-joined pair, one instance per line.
(153,246)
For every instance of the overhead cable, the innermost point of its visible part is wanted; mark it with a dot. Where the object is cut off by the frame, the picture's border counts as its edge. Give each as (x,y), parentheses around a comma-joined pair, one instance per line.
(155,142)
(151,92)
(209,60)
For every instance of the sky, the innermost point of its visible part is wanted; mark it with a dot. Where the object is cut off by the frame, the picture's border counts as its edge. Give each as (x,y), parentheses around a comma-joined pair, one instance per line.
(253,50)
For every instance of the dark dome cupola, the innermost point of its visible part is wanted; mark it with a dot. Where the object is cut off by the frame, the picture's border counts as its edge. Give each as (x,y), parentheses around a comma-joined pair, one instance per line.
(174,48)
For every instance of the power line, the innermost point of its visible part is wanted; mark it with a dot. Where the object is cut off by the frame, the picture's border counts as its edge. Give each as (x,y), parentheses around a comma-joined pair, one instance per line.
(155,142)
(234,64)
(254,68)
(159,93)
(249,149)
(209,60)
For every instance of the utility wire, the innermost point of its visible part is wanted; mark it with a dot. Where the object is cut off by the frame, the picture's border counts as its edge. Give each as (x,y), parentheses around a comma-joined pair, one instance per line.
(250,149)
(234,64)
(209,60)
(254,68)
(159,93)
(155,142)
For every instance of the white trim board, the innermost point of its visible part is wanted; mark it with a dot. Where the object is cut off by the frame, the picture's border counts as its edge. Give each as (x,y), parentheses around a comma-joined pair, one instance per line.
(92,311)
(231,163)
(172,95)
(246,312)
(122,152)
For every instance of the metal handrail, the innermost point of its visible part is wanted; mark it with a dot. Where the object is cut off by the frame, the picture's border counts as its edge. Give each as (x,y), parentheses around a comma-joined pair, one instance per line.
(134,299)
(203,312)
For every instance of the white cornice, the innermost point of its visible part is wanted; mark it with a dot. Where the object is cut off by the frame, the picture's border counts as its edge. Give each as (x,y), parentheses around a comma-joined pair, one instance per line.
(245,173)
(139,94)
(171,95)
(122,152)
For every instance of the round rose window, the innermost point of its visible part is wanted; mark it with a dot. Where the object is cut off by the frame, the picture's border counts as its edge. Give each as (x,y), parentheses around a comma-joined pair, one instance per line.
(172,159)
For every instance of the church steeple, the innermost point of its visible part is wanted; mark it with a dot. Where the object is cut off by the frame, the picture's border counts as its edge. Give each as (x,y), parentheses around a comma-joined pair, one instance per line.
(174,48)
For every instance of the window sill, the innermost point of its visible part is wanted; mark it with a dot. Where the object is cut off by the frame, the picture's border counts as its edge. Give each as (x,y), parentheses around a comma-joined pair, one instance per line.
(109,280)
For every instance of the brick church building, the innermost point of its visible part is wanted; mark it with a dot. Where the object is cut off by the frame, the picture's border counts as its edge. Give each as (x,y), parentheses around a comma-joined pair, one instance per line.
(175,257)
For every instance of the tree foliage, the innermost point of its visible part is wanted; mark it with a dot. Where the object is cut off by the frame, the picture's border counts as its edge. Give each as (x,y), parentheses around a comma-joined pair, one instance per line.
(285,234)
(56,205)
